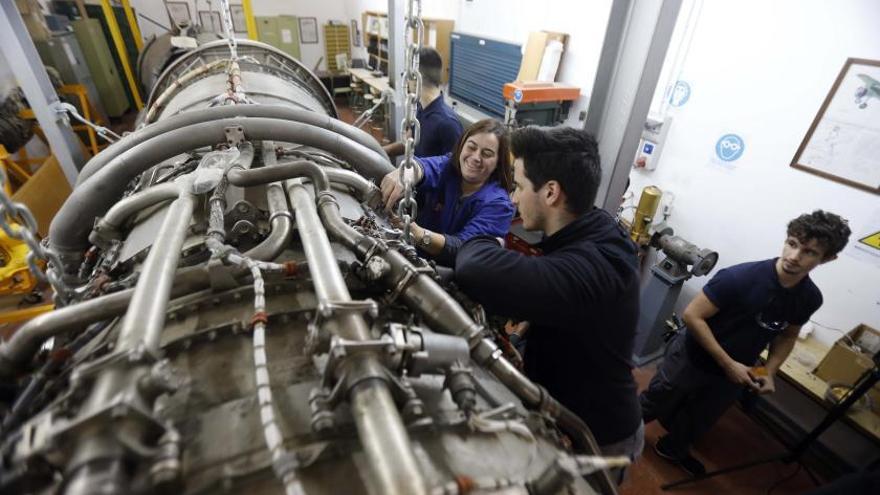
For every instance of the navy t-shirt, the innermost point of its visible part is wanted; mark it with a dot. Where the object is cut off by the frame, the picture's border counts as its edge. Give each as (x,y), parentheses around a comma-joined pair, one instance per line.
(440,128)
(754,309)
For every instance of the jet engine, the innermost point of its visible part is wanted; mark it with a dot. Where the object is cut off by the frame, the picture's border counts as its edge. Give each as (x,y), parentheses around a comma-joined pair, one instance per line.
(236,314)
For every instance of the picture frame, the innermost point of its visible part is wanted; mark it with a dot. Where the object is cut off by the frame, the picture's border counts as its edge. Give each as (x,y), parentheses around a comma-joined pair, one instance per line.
(308,30)
(211,21)
(844,137)
(239,21)
(355,33)
(178,13)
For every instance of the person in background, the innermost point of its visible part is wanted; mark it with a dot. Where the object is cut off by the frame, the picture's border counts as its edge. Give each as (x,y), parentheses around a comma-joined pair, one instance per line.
(460,195)
(741,310)
(440,127)
(580,298)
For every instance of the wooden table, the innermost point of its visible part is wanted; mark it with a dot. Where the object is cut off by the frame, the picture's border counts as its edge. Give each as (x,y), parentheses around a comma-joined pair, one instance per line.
(802,377)
(378,85)
(361,74)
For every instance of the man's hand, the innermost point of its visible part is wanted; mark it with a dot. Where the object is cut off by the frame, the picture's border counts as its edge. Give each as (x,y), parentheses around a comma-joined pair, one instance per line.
(740,374)
(766,385)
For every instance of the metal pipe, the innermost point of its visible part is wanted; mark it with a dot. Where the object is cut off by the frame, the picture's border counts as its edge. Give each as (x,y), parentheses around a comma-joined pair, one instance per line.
(380,428)
(197,116)
(444,314)
(145,318)
(180,82)
(119,382)
(280,218)
(69,230)
(128,207)
(26,341)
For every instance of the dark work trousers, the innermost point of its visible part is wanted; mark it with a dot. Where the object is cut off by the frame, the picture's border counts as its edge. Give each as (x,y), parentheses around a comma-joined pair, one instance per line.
(685,399)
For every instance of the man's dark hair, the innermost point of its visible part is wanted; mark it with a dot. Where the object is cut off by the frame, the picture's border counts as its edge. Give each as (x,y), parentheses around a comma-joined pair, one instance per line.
(830,231)
(564,154)
(430,66)
(503,172)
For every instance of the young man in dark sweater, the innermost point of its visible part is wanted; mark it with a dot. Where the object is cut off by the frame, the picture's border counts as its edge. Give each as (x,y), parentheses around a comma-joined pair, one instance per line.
(742,310)
(581,297)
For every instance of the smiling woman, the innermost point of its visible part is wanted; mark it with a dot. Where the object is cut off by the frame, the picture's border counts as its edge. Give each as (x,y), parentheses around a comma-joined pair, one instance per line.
(461,195)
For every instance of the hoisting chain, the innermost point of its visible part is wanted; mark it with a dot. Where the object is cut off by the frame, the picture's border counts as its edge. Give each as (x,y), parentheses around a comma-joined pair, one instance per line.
(18,222)
(407,210)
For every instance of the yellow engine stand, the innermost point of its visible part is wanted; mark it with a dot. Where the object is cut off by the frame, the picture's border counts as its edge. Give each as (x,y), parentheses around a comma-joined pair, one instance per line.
(15,277)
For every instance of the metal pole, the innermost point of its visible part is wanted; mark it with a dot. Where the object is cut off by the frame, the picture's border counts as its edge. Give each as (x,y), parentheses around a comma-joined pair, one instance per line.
(22,56)
(396,61)
(249,19)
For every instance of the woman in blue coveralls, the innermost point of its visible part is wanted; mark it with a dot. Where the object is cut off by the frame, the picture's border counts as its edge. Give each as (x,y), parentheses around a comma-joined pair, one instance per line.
(460,195)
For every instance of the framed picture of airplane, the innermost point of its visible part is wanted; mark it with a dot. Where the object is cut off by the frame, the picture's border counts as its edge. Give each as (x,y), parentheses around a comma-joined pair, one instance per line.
(843,143)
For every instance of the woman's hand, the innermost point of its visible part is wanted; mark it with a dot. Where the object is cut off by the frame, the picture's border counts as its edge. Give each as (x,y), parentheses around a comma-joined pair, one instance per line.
(392,189)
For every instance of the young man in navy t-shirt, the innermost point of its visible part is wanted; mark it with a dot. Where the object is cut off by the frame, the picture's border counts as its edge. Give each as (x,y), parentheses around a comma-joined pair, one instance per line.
(742,310)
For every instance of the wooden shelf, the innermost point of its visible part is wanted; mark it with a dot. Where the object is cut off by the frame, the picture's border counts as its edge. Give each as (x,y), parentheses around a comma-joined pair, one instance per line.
(442,29)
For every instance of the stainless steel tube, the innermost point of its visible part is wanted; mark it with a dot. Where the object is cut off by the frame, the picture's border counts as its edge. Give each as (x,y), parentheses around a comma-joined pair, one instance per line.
(145,318)
(69,230)
(223,112)
(444,314)
(280,218)
(128,207)
(380,428)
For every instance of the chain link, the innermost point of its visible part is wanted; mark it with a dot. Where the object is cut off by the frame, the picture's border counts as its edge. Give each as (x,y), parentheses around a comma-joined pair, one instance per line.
(407,210)
(18,222)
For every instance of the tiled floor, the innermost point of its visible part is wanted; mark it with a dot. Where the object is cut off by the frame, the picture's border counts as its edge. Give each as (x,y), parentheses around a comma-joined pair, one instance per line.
(735,439)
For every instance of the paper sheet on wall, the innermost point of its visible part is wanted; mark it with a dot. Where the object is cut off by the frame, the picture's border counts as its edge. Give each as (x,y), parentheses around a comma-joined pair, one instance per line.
(432,37)
(286,36)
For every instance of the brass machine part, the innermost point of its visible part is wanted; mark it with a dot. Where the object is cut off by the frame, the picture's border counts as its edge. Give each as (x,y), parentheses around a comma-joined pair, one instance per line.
(644,216)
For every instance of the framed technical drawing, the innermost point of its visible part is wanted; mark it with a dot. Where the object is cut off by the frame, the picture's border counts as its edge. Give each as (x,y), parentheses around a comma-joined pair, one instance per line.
(843,143)
(239,22)
(178,13)
(308,30)
(211,21)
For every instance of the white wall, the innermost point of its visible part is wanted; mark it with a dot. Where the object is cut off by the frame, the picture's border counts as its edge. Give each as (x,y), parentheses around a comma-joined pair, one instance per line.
(761,70)
(513,20)
(323,11)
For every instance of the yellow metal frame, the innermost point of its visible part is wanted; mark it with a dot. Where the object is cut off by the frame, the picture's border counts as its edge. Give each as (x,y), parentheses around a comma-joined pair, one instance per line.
(133,24)
(12,168)
(249,19)
(85,109)
(116,34)
(25,314)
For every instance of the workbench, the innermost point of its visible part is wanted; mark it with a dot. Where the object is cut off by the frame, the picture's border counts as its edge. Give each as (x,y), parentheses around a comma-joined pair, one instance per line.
(800,375)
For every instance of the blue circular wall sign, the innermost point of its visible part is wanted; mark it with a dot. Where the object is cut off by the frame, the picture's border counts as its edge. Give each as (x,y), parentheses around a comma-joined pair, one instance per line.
(680,94)
(730,147)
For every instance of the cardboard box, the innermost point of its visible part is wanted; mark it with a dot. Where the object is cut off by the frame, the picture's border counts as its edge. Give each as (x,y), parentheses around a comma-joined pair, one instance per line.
(44,193)
(845,363)
(534,53)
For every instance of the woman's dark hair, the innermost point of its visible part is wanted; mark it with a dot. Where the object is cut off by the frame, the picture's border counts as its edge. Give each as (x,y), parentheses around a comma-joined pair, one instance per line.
(503,172)
(830,230)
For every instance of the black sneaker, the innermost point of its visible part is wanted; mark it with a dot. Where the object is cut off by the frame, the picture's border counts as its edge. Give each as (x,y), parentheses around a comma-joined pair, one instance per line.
(690,465)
